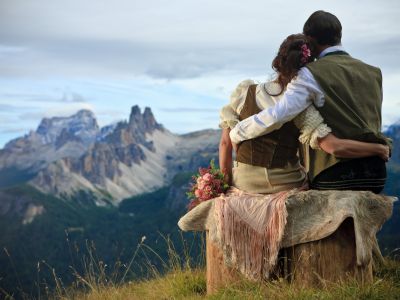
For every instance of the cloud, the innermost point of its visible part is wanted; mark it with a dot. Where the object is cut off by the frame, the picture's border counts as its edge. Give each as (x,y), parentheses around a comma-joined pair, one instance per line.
(176,56)
(189,109)
(176,41)
(72,97)
(67,96)
(92,57)
(8,107)
(19,130)
(59,111)
(13,50)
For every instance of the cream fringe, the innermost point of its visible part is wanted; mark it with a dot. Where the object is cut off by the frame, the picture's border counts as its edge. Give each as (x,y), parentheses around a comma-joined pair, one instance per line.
(254,253)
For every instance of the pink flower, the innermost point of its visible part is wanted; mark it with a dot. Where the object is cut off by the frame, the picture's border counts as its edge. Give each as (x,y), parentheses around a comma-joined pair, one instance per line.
(201,185)
(207,177)
(198,193)
(203,171)
(207,184)
(306,53)
(217,183)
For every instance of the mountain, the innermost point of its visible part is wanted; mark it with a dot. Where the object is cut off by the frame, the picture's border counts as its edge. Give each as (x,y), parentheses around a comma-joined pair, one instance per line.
(70,155)
(54,139)
(137,156)
(393,131)
(389,236)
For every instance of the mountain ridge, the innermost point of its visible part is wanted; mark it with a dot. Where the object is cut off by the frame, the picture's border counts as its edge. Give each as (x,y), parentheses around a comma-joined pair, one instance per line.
(66,155)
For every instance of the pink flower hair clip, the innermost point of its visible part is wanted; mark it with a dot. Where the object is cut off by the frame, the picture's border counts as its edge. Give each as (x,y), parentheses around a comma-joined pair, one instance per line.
(306,52)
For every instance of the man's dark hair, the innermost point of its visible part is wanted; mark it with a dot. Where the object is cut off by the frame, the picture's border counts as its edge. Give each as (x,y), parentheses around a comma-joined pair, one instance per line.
(324,28)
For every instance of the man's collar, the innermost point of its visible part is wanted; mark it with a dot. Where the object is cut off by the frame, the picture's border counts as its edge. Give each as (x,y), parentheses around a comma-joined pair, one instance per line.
(331,49)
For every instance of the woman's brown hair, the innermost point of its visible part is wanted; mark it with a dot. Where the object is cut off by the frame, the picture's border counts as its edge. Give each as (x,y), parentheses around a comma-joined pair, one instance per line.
(292,55)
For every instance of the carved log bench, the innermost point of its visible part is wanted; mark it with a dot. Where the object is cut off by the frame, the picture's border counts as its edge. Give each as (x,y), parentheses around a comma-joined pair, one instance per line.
(317,246)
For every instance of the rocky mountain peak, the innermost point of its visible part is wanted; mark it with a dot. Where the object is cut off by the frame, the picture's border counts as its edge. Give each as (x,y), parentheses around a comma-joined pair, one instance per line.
(149,120)
(135,110)
(85,113)
(135,118)
(143,123)
(82,124)
(77,143)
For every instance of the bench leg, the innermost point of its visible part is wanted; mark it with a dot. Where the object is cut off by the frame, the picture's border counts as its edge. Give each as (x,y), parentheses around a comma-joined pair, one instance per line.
(218,274)
(331,259)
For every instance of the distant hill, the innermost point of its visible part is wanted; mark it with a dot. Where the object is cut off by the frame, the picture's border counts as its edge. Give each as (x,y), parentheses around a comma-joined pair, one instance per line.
(389,236)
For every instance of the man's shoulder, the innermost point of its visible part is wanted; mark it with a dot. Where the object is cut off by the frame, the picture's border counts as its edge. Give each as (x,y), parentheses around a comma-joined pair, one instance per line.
(367,67)
(359,61)
(336,60)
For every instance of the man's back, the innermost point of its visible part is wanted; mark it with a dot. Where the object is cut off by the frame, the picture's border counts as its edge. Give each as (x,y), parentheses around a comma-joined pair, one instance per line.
(353,92)
(353,100)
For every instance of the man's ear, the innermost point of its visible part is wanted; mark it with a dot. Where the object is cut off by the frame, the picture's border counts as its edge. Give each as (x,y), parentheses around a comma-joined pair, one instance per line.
(314,47)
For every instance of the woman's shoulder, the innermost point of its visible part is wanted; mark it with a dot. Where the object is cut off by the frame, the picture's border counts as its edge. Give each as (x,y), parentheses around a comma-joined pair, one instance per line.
(229,114)
(241,89)
(238,95)
(264,89)
(267,92)
(272,88)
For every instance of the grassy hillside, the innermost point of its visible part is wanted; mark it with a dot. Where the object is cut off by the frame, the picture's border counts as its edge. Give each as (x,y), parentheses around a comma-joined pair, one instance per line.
(190,283)
(68,233)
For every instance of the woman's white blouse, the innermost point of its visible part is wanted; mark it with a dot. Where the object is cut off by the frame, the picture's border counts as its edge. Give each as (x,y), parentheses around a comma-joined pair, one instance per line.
(309,122)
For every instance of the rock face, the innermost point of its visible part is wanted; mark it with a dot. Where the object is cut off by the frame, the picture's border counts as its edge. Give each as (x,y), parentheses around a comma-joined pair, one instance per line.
(72,154)
(54,139)
(82,125)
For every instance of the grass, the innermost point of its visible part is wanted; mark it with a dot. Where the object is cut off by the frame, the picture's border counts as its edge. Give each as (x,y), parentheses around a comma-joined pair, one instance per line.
(179,278)
(189,283)
(183,278)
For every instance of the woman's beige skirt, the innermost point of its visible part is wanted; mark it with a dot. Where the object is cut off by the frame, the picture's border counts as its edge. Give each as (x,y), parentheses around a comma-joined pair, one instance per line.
(261,180)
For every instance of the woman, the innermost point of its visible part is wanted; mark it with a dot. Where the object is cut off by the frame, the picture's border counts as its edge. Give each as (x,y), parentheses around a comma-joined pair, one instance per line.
(269,164)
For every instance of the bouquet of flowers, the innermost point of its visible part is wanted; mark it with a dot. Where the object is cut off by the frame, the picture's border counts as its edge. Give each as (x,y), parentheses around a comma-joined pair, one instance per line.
(207,184)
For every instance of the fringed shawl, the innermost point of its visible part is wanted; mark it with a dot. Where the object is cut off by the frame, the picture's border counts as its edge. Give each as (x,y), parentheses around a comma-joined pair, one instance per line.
(251,228)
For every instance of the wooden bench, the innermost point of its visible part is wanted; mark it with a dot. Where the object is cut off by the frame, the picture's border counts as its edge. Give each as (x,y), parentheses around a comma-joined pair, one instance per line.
(311,264)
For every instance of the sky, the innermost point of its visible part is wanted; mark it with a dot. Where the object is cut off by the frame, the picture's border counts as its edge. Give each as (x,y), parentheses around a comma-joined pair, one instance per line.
(181,58)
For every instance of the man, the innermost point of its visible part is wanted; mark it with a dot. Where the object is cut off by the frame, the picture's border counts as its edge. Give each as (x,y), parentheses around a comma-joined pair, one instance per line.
(348,94)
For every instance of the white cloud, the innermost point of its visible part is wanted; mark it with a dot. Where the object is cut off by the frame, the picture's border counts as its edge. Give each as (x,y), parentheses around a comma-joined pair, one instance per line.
(59,111)
(174,39)
(177,57)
